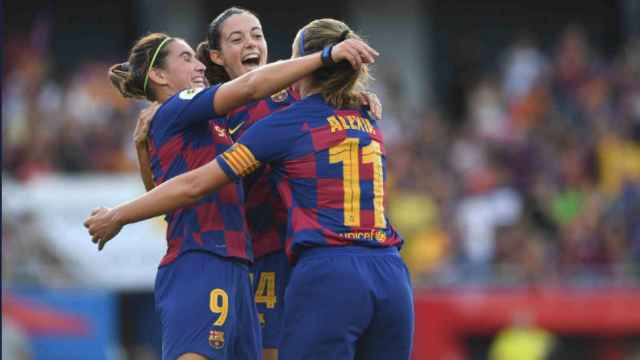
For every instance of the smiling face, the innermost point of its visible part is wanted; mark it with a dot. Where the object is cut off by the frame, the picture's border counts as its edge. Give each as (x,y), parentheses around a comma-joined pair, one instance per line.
(181,68)
(184,70)
(242,45)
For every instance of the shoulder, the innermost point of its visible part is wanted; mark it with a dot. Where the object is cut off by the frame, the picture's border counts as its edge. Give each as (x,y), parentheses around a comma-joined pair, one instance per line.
(188,95)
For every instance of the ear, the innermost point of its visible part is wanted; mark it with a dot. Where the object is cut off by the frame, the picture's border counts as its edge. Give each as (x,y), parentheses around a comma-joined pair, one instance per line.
(216,57)
(158,76)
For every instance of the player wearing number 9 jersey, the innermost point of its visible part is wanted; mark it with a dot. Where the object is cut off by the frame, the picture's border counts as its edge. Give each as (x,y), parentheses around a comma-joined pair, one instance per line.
(235,45)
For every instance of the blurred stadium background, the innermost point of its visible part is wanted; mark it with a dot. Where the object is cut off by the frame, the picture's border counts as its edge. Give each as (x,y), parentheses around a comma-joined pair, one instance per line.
(513,132)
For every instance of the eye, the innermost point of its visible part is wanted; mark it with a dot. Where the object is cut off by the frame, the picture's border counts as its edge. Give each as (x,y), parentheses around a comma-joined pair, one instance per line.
(236,40)
(258,36)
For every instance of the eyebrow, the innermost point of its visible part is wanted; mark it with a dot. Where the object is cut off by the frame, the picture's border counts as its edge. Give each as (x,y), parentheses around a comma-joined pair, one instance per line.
(240,32)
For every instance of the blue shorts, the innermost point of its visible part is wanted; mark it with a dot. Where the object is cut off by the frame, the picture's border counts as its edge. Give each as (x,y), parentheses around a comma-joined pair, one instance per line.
(270,277)
(348,303)
(206,307)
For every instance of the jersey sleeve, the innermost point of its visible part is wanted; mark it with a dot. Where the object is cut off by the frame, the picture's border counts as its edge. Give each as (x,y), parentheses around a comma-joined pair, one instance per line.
(198,107)
(268,140)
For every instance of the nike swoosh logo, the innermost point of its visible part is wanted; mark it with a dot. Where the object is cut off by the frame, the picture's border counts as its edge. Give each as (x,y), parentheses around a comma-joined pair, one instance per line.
(231,131)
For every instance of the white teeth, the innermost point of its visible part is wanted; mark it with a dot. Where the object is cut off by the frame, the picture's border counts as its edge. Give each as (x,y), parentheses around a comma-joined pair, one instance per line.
(251,57)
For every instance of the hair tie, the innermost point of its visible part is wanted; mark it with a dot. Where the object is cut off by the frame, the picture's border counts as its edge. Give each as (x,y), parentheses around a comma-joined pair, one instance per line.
(301,50)
(343,36)
(153,60)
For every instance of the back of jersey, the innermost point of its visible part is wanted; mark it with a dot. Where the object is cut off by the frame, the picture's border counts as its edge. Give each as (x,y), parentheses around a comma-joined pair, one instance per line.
(331,167)
(350,164)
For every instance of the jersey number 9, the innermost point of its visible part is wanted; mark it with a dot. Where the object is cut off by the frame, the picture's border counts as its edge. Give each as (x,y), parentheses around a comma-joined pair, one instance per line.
(219,304)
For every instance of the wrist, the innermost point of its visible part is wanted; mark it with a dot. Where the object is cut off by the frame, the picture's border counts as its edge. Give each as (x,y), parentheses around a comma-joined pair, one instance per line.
(117,216)
(327,56)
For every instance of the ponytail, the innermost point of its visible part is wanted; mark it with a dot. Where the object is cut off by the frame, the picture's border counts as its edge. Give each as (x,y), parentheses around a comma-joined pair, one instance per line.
(123,80)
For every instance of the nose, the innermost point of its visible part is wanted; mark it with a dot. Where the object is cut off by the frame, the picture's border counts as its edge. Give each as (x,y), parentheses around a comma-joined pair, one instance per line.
(251,42)
(199,66)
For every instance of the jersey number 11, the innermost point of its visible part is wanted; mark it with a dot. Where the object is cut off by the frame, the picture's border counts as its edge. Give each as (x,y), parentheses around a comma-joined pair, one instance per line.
(348,153)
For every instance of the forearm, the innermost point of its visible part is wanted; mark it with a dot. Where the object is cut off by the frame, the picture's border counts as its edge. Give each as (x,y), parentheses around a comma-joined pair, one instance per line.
(165,198)
(144,164)
(264,81)
(181,191)
(281,74)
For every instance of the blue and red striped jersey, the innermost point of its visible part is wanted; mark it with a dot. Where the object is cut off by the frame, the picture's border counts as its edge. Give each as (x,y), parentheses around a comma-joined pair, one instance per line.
(265,211)
(185,134)
(330,167)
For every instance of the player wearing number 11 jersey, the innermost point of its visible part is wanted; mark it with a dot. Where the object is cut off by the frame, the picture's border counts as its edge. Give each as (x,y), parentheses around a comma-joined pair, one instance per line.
(349,294)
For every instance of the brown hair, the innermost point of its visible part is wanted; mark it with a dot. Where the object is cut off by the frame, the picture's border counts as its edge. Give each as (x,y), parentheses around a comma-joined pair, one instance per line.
(340,85)
(215,73)
(129,77)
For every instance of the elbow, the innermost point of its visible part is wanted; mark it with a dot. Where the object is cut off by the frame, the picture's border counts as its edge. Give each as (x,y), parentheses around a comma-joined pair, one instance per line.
(194,190)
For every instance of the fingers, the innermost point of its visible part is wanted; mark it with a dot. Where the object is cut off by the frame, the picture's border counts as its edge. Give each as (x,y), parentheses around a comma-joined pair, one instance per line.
(101,244)
(365,52)
(369,49)
(356,52)
(364,99)
(375,106)
(354,58)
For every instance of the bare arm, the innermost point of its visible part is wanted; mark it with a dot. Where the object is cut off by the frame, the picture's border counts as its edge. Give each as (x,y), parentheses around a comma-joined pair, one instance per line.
(181,191)
(140,139)
(273,77)
(144,164)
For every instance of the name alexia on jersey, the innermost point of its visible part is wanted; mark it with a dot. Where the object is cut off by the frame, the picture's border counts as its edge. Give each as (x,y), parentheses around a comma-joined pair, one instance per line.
(346,122)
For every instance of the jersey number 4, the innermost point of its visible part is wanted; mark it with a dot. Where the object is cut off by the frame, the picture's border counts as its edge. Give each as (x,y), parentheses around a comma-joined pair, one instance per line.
(348,153)
(266,290)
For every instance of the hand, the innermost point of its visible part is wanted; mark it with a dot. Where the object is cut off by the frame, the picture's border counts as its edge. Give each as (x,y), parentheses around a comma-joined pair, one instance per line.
(102,226)
(141,132)
(370,99)
(355,51)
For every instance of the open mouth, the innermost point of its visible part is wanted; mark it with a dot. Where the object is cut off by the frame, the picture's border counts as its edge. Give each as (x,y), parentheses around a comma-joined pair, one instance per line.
(251,60)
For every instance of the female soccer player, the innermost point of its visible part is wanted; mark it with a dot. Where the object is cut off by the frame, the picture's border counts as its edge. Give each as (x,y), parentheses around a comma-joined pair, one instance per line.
(235,45)
(210,315)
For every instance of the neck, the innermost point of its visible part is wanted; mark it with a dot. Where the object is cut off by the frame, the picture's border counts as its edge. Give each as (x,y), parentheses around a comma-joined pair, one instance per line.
(306,88)
(163,93)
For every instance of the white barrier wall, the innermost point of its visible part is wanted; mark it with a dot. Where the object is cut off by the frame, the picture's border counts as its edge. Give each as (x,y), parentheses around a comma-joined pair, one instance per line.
(61,204)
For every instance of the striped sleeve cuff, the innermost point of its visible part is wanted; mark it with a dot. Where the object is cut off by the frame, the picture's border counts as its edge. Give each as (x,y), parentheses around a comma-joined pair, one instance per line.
(238,161)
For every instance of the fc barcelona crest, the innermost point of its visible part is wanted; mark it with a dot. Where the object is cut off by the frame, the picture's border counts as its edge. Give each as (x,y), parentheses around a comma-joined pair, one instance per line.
(216,339)
(280,96)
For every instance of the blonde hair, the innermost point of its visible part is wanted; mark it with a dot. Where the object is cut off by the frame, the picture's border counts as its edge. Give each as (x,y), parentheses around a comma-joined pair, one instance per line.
(340,84)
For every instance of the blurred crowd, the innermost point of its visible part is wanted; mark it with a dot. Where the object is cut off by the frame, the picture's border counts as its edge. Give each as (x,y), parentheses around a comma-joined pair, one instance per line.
(538,183)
